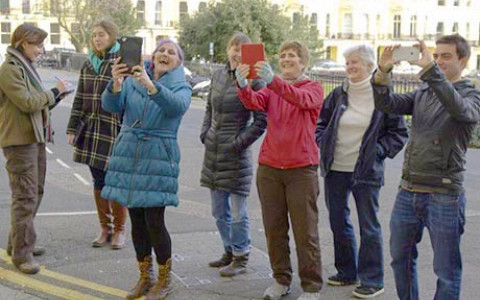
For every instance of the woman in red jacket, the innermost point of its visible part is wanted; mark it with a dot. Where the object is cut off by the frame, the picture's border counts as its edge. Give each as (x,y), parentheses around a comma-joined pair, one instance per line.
(287,178)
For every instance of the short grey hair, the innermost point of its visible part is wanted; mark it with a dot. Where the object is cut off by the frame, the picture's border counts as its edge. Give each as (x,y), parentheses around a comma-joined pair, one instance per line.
(365,52)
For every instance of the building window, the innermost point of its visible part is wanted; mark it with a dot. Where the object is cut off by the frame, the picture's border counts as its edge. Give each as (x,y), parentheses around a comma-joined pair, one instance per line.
(347,26)
(467,29)
(314,19)
(54,33)
(441,2)
(378,26)
(413,26)
(455,27)
(202,6)
(5,7)
(141,12)
(456,2)
(183,6)
(37,7)
(296,18)
(439,28)
(367,24)
(26,6)
(328,52)
(54,7)
(158,13)
(5,28)
(397,25)
(327,25)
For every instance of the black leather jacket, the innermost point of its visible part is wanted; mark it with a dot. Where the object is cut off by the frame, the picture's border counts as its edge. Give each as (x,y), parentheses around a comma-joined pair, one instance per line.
(443,118)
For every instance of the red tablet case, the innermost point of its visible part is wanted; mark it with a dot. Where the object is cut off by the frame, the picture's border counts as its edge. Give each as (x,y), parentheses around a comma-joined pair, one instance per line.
(251,54)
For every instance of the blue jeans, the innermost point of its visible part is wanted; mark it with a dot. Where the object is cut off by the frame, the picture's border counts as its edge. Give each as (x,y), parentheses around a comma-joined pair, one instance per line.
(233,223)
(444,217)
(338,186)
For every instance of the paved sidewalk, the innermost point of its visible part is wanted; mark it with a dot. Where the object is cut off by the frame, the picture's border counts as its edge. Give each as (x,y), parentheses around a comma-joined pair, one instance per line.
(7,293)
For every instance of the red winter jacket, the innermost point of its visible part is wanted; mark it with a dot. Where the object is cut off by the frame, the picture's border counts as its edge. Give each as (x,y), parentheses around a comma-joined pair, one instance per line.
(292,113)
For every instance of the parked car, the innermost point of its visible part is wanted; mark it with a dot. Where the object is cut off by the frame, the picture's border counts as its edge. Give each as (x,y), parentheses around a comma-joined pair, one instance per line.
(328,66)
(200,84)
(201,89)
(473,74)
(404,68)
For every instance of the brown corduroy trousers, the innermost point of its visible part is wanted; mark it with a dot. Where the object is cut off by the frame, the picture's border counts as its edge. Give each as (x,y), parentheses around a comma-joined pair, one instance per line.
(26,167)
(293,192)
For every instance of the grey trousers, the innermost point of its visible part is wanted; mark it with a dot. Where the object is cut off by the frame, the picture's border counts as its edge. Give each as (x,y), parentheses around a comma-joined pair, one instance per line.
(26,168)
(294,193)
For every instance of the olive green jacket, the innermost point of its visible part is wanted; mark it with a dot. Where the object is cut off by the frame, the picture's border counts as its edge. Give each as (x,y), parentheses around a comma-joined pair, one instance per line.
(23,106)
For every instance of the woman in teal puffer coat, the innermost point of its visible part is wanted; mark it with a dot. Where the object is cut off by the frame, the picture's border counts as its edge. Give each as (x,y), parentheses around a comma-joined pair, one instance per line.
(144,166)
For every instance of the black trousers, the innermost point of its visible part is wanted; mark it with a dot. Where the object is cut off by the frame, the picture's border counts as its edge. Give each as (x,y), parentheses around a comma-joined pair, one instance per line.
(98,176)
(149,231)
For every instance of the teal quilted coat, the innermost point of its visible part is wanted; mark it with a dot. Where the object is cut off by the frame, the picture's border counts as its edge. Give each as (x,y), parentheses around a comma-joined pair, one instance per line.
(144,166)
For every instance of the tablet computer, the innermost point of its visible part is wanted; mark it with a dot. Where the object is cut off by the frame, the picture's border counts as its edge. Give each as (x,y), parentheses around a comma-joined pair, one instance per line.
(251,54)
(130,51)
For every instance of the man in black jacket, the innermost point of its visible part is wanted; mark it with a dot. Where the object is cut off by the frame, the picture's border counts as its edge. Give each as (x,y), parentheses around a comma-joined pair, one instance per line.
(444,110)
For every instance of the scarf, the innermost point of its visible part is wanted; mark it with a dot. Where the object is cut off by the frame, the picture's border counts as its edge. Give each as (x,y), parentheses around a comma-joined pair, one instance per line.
(37,82)
(298,79)
(97,61)
(31,72)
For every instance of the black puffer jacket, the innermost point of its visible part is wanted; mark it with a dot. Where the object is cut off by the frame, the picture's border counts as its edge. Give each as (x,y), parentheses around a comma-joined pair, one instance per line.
(443,118)
(227,132)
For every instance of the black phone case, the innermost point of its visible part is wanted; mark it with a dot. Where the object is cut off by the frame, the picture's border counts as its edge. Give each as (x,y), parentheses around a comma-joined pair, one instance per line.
(131,51)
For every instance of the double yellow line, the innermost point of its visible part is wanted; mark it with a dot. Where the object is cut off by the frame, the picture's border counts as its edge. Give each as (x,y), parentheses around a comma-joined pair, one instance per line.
(29,282)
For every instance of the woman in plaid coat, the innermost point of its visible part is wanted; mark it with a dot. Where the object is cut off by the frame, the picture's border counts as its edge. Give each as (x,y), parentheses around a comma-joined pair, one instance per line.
(92,131)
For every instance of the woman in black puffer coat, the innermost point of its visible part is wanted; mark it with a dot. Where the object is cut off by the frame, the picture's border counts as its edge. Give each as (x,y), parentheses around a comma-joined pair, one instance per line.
(227,133)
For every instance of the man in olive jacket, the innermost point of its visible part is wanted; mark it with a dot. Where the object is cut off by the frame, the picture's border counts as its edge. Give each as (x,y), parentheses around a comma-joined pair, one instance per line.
(444,110)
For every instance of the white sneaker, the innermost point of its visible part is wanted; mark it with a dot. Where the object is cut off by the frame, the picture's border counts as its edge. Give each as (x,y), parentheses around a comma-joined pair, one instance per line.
(276,291)
(309,296)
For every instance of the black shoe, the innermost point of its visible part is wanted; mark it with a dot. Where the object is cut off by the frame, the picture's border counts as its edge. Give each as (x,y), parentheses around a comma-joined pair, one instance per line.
(366,292)
(339,281)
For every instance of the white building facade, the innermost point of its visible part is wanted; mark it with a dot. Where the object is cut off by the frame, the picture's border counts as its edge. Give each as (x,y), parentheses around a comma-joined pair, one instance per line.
(341,23)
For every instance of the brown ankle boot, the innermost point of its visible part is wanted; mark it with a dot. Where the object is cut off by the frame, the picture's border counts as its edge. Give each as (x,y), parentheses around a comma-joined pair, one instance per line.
(163,286)
(236,267)
(119,218)
(225,260)
(146,280)
(105,218)
(28,265)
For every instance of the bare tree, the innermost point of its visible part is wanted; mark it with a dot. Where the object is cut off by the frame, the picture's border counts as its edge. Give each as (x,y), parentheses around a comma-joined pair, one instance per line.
(77,16)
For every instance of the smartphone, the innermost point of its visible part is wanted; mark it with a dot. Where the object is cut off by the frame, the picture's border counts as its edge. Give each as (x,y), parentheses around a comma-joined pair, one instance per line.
(406,53)
(251,54)
(130,51)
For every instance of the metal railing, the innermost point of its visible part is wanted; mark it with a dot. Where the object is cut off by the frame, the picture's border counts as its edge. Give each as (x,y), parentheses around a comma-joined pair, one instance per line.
(330,80)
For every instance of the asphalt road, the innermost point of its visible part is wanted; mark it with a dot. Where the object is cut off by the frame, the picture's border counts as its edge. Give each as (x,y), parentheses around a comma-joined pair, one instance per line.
(67,222)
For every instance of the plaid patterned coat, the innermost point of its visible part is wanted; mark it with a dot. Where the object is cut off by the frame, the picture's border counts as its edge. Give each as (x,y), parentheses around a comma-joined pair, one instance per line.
(96,137)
